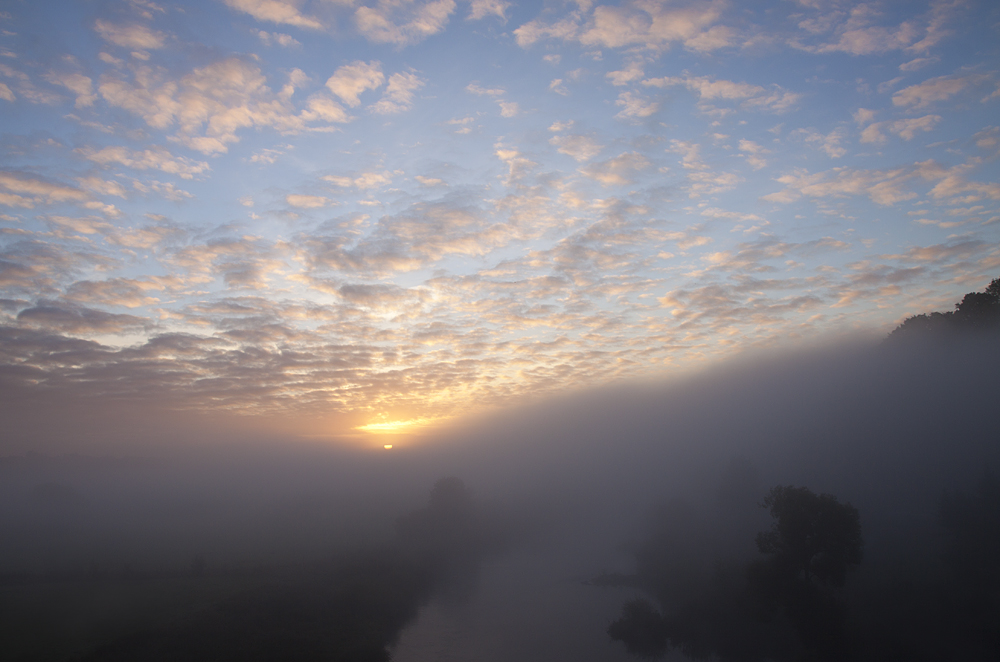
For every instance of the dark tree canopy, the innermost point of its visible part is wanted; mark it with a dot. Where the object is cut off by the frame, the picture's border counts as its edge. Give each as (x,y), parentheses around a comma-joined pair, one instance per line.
(813,535)
(976,312)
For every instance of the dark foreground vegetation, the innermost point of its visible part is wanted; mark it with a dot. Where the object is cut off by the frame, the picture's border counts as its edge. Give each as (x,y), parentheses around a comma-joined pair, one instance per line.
(805,597)
(350,608)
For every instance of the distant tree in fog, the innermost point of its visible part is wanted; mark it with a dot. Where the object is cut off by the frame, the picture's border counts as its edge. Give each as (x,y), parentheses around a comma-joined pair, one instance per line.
(782,607)
(812,544)
(813,534)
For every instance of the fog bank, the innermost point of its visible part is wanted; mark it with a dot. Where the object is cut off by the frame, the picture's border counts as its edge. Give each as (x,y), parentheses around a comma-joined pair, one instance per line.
(575,479)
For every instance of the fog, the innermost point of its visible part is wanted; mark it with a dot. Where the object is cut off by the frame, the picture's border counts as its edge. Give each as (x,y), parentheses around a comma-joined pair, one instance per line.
(551,518)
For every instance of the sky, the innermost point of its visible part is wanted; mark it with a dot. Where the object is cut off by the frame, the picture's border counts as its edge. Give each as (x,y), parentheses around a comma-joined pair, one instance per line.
(336,217)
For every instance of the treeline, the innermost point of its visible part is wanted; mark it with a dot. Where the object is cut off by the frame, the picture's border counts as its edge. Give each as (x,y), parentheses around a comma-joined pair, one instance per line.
(976,312)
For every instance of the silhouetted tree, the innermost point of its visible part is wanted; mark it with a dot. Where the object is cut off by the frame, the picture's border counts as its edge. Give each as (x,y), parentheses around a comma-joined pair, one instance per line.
(976,312)
(993,289)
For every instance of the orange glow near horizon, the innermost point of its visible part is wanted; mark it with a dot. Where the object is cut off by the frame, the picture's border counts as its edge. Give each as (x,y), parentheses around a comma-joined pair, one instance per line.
(397,427)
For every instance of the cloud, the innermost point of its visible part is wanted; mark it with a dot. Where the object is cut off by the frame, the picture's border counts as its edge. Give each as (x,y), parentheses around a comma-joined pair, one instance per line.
(863,116)
(479,9)
(134,36)
(351,80)
(150,237)
(25,88)
(319,107)
(154,158)
(79,84)
(953,182)
(276,11)
(752,153)
(958,249)
(635,106)
(883,187)
(647,24)
(987,138)
(918,63)
(244,263)
(127,292)
(617,171)
(307,201)
(713,39)
(508,108)
(704,182)
(280,38)
(69,318)
(578,146)
(829,143)
(941,13)
(22,190)
(402,23)
(935,89)
(36,267)
(211,104)
(268,156)
(166,189)
(87,225)
(379,296)
(755,221)
(475,88)
(775,100)
(691,156)
(398,95)
(364,181)
(868,40)
(873,134)
(430,181)
(102,186)
(632,72)
(421,235)
(907,128)
(856,32)
(6,94)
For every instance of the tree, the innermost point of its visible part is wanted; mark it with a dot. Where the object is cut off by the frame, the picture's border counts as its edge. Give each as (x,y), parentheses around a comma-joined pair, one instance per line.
(813,535)
(976,312)
(993,289)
